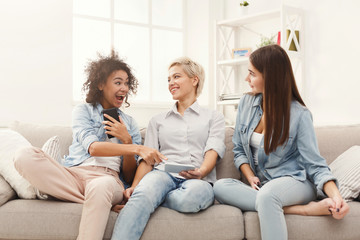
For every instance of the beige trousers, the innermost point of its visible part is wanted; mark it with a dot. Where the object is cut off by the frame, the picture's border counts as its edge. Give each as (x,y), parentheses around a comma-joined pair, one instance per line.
(97,188)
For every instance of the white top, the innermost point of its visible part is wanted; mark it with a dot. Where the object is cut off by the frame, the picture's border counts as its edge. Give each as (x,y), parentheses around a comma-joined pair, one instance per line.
(185,139)
(112,162)
(255,142)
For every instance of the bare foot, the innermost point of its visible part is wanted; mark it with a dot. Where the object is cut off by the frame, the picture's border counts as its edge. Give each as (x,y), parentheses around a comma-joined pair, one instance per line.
(117,208)
(319,208)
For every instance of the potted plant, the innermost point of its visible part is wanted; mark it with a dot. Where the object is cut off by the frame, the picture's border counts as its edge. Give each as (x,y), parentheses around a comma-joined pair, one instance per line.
(266,41)
(244,4)
(244,7)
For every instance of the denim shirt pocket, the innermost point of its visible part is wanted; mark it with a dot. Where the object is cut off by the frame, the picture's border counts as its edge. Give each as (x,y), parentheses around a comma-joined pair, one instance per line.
(243,133)
(282,150)
(98,126)
(244,138)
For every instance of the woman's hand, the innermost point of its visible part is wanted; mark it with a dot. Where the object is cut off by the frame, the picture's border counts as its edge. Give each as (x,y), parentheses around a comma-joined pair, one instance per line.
(192,174)
(254,181)
(339,207)
(150,155)
(117,128)
(126,195)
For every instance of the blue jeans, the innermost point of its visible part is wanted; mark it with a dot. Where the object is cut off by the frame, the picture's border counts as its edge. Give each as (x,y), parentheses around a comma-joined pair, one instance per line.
(158,187)
(268,201)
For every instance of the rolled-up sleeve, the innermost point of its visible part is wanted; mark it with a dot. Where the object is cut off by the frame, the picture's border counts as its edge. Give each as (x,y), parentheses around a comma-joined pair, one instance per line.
(83,127)
(216,139)
(315,165)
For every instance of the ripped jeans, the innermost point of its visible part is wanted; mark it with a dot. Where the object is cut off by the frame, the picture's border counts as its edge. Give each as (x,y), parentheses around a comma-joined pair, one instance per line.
(160,188)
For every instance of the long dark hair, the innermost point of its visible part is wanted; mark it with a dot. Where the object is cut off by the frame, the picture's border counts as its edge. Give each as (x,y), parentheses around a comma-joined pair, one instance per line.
(98,72)
(279,91)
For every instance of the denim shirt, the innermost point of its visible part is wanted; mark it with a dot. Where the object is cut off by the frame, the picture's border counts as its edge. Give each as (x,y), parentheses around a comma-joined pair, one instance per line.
(299,157)
(87,127)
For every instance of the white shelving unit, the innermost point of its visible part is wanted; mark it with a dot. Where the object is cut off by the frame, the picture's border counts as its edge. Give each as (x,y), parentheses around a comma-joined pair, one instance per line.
(231,72)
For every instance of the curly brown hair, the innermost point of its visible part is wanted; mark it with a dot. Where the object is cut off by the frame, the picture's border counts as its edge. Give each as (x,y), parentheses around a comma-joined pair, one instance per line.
(98,72)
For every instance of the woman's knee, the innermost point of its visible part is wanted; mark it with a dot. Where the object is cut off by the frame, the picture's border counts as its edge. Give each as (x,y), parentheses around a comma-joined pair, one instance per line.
(223,187)
(197,195)
(267,199)
(104,189)
(24,158)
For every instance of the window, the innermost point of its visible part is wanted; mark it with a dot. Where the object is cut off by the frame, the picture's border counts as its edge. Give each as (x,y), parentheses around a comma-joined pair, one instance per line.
(148,34)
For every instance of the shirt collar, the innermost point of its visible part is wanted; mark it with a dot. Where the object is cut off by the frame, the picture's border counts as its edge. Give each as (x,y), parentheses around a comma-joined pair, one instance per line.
(258,100)
(100,108)
(195,107)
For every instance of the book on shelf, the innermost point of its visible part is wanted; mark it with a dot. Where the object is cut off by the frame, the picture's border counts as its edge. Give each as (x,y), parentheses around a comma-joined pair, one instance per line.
(232,96)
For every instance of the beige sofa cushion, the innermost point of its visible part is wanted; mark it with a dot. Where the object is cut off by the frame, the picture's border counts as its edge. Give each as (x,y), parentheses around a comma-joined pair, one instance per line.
(311,227)
(6,191)
(225,168)
(38,219)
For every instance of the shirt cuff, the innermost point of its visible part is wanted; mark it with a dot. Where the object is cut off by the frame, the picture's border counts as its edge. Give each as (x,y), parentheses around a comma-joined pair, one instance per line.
(240,161)
(88,141)
(216,145)
(320,186)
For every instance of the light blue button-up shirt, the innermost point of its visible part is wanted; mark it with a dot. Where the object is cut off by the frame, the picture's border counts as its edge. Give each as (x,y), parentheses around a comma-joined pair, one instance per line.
(185,139)
(87,127)
(298,158)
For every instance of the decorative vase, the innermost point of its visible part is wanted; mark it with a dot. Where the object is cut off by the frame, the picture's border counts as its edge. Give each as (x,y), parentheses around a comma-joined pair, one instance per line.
(243,11)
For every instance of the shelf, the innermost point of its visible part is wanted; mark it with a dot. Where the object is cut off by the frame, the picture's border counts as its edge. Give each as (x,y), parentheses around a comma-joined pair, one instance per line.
(228,102)
(250,19)
(232,33)
(233,62)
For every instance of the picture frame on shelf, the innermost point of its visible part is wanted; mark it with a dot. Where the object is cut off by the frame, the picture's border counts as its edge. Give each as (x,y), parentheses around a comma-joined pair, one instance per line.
(241,52)
(296,37)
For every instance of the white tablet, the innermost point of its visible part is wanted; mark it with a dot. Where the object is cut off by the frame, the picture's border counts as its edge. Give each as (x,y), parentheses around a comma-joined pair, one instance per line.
(176,167)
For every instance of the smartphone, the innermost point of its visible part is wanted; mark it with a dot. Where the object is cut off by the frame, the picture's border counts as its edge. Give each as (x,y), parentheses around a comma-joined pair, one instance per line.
(176,167)
(258,186)
(112,112)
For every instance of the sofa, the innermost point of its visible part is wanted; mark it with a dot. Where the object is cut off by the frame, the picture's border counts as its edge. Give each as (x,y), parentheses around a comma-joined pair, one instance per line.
(52,219)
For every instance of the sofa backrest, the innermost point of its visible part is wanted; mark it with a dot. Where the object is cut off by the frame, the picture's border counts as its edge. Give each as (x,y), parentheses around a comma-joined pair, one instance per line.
(38,134)
(335,140)
(332,142)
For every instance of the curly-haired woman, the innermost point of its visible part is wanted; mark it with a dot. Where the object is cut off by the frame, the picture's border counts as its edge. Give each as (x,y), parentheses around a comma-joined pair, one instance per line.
(91,172)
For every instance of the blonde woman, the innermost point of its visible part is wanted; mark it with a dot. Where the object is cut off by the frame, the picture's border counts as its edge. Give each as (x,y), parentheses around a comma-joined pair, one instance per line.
(186,134)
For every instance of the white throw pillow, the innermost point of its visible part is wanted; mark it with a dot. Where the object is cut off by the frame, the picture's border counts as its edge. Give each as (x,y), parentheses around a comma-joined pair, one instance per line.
(11,141)
(51,147)
(346,168)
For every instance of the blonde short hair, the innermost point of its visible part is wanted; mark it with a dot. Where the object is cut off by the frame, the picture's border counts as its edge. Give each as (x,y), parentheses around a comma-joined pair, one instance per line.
(192,69)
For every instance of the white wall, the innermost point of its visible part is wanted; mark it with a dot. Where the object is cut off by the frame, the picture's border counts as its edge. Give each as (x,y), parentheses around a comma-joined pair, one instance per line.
(35,61)
(331,56)
(332,60)
(36,53)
